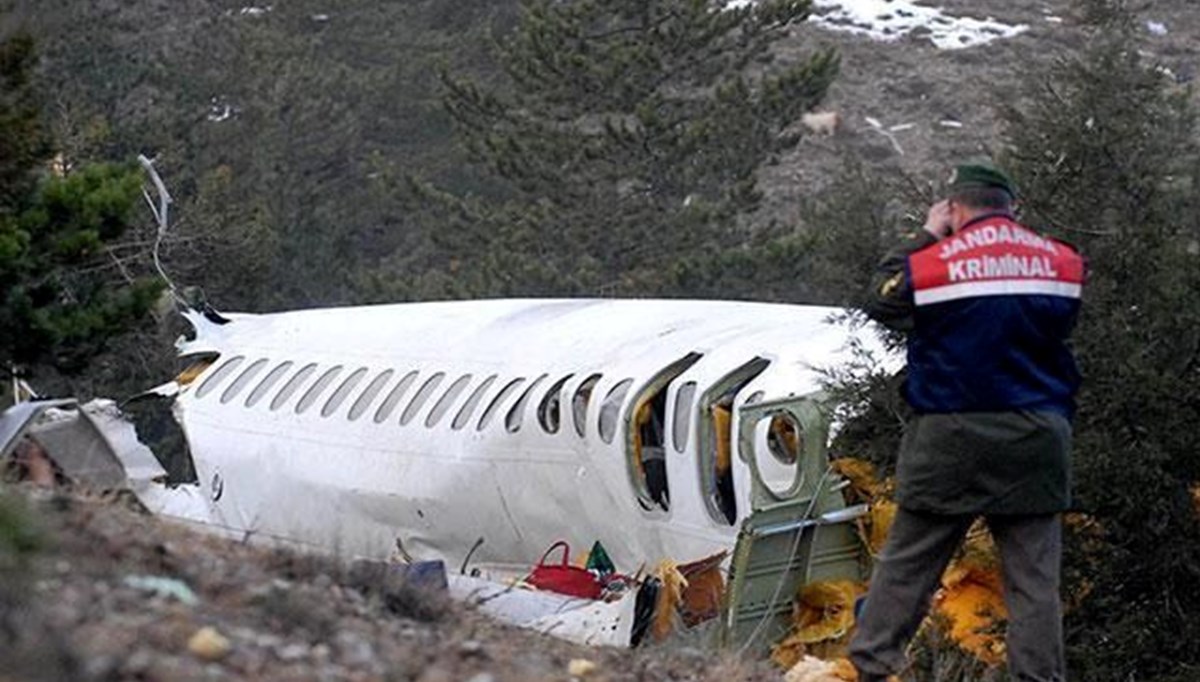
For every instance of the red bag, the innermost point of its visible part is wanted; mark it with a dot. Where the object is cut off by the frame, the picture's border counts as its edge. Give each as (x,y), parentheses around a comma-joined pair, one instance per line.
(564,578)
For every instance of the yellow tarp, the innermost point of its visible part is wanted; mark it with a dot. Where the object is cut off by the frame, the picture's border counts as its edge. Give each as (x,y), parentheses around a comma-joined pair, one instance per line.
(971,598)
(823,617)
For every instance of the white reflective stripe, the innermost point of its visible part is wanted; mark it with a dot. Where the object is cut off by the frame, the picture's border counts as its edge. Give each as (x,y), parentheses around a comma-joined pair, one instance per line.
(997,287)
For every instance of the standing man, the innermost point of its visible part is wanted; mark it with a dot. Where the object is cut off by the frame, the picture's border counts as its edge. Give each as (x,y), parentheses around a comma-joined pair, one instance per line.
(987,305)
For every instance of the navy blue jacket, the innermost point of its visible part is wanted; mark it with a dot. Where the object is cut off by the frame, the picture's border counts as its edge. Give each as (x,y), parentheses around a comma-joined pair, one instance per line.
(988,312)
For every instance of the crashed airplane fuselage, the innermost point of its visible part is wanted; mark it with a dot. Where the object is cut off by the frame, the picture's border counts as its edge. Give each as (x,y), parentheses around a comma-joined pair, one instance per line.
(660,428)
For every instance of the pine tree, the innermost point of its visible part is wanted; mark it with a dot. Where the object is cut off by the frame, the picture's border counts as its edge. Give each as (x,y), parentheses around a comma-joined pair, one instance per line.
(63,289)
(627,136)
(1107,155)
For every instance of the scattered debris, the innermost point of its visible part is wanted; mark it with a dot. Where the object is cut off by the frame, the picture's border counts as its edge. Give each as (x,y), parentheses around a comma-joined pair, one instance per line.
(811,669)
(823,614)
(219,111)
(255,11)
(950,123)
(1157,28)
(208,644)
(163,587)
(877,126)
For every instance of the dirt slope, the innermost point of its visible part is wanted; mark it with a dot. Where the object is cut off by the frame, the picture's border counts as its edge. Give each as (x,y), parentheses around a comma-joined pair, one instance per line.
(73,614)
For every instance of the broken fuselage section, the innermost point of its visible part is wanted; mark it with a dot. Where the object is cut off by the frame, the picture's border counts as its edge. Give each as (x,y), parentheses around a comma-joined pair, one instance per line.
(662,429)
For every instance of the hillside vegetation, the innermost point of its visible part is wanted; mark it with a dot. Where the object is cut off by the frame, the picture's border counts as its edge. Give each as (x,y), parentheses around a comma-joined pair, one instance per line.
(364,151)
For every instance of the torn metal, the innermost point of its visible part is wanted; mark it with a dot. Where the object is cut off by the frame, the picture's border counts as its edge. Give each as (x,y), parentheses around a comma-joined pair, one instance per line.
(663,430)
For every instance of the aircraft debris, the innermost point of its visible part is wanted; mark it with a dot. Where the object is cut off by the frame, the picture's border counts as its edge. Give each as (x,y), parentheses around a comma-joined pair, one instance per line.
(811,669)
(823,613)
(657,431)
(171,588)
(878,127)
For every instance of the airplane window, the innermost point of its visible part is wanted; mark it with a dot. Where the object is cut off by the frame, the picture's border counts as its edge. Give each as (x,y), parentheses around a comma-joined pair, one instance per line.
(419,399)
(317,389)
(646,440)
(550,410)
(369,394)
(516,415)
(610,410)
(683,414)
(292,385)
(339,396)
(243,380)
(218,376)
(394,397)
(785,438)
(495,404)
(268,382)
(579,403)
(468,408)
(717,448)
(447,400)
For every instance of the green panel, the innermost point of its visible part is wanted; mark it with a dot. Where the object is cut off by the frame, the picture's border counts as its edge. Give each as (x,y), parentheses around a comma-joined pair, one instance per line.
(787,543)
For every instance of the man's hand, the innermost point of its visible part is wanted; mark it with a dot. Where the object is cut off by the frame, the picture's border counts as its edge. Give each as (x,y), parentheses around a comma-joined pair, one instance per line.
(937,223)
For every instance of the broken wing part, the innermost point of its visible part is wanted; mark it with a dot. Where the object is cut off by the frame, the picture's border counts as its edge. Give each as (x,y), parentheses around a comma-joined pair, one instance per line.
(92,443)
(16,420)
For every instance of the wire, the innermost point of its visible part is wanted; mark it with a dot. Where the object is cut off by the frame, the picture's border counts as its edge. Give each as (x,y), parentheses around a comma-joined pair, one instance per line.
(791,557)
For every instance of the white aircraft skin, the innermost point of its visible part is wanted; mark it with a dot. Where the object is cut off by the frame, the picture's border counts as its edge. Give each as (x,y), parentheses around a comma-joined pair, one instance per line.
(315,468)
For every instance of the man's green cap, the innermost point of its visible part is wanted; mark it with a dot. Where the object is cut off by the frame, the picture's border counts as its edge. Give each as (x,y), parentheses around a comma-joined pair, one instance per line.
(981,175)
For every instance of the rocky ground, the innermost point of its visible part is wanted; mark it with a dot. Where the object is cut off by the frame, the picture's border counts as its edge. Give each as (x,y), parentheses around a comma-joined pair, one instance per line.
(114,594)
(911,84)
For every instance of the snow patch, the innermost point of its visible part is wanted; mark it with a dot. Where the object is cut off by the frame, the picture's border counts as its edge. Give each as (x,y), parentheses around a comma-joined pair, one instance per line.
(893,19)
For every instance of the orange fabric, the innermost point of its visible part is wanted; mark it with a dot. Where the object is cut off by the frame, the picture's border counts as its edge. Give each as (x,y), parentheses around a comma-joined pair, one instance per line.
(723,427)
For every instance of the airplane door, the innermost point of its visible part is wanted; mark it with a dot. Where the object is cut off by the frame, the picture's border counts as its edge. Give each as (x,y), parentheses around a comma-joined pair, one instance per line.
(799,530)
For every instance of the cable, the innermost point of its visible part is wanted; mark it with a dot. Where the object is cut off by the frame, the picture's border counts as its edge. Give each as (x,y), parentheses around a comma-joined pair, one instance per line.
(791,557)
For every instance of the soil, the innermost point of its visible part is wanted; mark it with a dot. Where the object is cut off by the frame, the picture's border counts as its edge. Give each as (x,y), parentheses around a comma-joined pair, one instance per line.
(909,81)
(76,612)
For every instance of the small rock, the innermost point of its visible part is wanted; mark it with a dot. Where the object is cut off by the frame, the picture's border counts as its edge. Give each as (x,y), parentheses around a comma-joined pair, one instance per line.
(471,647)
(580,667)
(354,650)
(293,652)
(208,644)
(482,677)
(321,653)
(137,663)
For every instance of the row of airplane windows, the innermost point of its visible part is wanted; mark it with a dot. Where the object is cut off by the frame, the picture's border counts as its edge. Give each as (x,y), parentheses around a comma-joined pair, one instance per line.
(548,412)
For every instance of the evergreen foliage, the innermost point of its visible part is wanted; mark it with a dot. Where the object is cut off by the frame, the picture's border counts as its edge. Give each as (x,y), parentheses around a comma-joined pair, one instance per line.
(64,282)
(627,140)
(1107,156)
(1105,152)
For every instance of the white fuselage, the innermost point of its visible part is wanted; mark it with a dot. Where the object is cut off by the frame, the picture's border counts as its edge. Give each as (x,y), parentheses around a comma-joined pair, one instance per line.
(310,452)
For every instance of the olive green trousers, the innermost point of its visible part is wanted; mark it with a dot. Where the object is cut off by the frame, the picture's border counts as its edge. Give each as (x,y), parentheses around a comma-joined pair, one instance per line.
(909,570)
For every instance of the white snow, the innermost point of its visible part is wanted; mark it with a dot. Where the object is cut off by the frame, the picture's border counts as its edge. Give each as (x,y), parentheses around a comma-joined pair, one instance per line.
(894,19)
